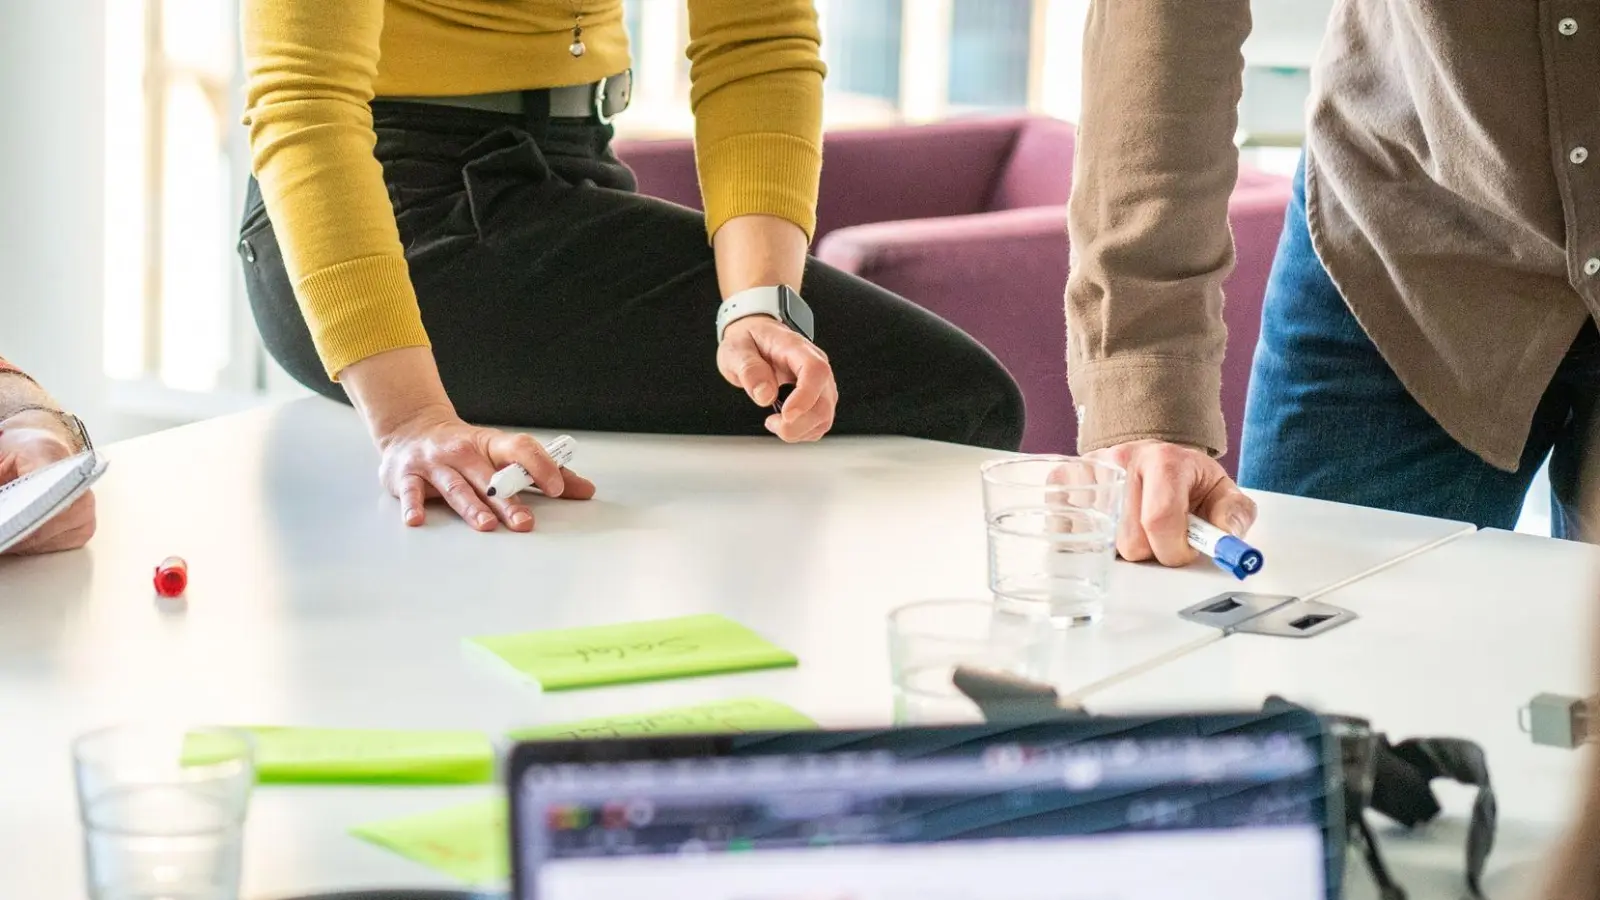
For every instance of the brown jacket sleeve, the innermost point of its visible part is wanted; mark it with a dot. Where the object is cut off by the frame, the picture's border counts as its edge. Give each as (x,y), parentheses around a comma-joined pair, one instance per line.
(1156,164)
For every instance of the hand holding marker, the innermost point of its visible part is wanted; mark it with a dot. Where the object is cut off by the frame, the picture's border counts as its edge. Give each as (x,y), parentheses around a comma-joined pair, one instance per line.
(1231,554)
(514,479)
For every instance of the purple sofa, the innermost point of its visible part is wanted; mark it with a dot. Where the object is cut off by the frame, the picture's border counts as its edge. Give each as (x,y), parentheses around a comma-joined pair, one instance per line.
(968,219)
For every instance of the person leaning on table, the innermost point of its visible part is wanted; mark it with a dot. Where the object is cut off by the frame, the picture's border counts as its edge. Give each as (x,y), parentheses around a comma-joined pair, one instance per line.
(1428,333)
(439,225)
(35,432)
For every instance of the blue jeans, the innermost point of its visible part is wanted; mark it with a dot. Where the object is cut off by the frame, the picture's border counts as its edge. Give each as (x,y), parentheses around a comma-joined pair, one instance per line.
(1327,417)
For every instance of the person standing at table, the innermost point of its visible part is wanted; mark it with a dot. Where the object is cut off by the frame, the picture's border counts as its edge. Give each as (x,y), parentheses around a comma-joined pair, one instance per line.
(34,433)
(437,222)
(1428,334)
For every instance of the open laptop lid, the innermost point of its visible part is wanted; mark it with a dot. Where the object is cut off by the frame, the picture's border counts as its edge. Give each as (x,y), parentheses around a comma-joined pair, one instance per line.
(1227,806)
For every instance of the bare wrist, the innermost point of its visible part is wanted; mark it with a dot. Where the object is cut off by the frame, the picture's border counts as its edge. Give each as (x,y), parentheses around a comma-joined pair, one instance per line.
(395,388)
(759,251)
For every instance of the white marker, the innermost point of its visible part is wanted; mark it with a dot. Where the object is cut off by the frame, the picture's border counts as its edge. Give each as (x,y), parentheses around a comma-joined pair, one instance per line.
(1231,554)
(514,479)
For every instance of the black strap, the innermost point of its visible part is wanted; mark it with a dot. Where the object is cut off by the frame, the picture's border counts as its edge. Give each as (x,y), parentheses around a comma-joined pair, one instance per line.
(1362,837)
(536,114)
(1403,791)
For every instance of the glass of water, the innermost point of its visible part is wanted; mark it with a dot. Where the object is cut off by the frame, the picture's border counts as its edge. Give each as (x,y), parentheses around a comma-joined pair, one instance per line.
(929,640)
(163,811)
(1052,534)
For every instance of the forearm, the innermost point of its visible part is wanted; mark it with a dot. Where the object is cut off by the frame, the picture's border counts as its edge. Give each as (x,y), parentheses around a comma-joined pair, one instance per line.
(1149,218)
(393,388)
(756,71)
(759,251)
(309,69)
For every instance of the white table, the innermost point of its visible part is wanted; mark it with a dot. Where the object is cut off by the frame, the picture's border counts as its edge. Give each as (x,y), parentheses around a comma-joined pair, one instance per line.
(309,604)
(1450,643)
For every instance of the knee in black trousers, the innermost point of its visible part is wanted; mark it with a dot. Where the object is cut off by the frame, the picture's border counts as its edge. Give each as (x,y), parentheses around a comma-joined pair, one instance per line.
(556,297)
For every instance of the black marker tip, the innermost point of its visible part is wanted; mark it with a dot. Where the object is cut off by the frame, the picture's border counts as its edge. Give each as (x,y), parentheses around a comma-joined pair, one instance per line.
(491,492)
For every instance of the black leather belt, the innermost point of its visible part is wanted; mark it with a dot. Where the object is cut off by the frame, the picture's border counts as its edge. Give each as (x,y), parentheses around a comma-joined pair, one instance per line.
(600,101)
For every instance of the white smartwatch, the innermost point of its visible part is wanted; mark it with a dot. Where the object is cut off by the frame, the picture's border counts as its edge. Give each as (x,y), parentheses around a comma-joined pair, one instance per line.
(780,302)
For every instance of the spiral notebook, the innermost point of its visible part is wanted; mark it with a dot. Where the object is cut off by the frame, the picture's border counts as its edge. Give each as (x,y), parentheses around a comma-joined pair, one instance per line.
(34,499)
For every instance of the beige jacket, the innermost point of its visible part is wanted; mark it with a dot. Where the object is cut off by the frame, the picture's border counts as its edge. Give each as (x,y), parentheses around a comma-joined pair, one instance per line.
(1451,190)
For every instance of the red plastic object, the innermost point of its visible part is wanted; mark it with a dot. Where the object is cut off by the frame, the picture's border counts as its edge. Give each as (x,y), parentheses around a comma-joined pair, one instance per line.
(172,576)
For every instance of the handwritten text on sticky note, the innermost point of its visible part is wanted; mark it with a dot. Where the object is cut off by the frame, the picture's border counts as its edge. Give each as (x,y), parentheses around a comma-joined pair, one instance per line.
(636,651)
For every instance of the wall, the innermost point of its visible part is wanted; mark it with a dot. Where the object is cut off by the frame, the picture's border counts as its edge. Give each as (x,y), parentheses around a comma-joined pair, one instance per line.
(52,222)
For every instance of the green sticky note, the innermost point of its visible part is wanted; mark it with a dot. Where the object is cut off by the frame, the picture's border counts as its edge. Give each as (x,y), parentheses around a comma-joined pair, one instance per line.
(349,756)
(743,715)
(468,842)
(636,651)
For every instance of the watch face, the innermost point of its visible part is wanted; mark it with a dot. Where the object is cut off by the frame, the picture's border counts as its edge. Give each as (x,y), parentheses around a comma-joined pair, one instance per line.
(797,313)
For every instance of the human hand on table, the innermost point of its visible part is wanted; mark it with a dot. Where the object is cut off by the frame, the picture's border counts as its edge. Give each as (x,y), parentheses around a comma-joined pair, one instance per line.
(429,451)
(29,442)
(1167,482)
(759,353)
(436,454)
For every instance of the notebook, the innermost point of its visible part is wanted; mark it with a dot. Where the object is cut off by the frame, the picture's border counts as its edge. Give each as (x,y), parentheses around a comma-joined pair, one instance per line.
(34,499)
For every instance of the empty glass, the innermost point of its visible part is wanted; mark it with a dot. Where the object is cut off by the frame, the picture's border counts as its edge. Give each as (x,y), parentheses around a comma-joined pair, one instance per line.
(1052,534)
(930,639)
(163,811)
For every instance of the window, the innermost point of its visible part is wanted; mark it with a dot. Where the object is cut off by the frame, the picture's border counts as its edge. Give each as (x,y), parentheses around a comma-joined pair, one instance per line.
(990,46)
(174,315)
(862,44)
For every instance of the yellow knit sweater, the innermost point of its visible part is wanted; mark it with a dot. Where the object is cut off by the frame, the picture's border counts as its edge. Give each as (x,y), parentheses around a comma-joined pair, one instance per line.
(312,66)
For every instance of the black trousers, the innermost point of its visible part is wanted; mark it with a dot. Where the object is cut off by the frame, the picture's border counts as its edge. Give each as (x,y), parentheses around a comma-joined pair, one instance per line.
(558,297)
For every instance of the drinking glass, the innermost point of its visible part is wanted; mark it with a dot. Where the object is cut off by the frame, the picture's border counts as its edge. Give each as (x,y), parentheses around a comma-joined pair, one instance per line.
(928,640)
(163,811)
(1052,533)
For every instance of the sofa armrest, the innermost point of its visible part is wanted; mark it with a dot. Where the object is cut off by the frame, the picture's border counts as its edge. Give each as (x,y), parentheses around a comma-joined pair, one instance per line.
(870,175)
(1001,277)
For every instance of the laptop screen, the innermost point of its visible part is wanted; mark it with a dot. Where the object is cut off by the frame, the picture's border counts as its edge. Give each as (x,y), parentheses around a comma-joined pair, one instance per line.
(1142,813)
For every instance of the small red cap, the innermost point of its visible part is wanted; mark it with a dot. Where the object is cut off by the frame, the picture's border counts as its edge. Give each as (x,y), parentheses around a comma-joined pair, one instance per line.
(172,576)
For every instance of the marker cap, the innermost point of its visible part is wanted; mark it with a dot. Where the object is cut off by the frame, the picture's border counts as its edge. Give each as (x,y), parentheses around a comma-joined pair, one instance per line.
(1238,558)
(172,576)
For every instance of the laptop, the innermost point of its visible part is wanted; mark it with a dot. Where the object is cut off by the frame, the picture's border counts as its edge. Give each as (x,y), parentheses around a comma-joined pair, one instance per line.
(1204,807)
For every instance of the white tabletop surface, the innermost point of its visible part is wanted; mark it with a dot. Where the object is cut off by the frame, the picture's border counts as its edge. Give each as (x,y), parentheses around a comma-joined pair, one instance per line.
(1450,643)
(309,604)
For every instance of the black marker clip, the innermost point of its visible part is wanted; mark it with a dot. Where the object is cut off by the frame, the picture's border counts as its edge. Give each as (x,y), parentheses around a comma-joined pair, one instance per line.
(784,390)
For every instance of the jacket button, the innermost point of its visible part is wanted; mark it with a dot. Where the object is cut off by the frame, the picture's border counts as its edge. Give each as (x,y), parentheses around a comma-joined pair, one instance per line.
(1591,267)
(247,251)
(1568,26)
(1578,155)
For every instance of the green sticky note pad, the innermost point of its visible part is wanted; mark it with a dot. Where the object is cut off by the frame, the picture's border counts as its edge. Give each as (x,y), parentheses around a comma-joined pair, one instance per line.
(636,651)
(468,842)
(743,715)
(350,756)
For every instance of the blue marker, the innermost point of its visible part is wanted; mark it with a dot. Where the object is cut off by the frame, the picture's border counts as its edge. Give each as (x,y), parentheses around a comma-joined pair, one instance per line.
(1231,554)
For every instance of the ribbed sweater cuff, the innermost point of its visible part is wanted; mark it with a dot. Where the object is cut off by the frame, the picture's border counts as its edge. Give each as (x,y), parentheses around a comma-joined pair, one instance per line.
(361,308)
(766,173)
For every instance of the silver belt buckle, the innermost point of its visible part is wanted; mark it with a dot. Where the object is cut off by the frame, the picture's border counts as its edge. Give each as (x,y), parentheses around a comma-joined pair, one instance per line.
(600,101)
(602,93)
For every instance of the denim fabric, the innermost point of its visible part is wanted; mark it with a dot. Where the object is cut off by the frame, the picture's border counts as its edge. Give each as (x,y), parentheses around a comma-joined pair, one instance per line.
(1328,418)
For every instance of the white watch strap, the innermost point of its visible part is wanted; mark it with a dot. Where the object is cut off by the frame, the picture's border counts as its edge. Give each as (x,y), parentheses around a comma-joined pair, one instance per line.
(756,301)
